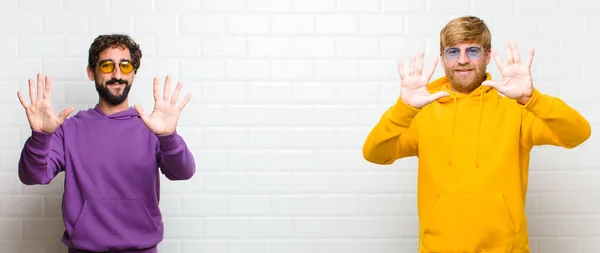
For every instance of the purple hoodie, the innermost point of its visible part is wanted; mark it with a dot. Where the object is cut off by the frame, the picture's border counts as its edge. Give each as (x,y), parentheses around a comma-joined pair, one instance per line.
(112,187)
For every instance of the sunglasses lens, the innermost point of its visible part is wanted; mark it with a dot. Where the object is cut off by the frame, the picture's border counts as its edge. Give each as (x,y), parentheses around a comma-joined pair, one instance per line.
(107,67)
(126,67)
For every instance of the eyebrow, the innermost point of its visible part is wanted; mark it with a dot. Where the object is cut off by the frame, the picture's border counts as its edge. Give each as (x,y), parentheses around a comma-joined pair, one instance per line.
(122,60)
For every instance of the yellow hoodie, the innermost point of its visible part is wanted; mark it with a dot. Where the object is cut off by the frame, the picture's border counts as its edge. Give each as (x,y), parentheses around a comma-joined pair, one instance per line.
(473,155)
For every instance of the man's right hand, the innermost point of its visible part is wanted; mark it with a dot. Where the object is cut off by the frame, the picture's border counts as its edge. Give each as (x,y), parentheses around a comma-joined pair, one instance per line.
(414,83)
(40,114)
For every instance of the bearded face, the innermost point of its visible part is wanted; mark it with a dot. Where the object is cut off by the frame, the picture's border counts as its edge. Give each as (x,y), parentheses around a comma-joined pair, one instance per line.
(465,66)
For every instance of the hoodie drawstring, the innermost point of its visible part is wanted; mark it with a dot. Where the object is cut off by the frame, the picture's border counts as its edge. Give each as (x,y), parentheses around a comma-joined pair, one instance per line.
(478,128)
(452,129)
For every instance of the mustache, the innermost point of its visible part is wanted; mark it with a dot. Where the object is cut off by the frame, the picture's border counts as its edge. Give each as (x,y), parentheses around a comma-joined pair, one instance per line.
(119,81)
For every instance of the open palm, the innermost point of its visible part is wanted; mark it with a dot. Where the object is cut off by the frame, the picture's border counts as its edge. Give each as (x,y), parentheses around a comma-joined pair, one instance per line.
(517,82)
(165,115)
(414,83)
(40,114)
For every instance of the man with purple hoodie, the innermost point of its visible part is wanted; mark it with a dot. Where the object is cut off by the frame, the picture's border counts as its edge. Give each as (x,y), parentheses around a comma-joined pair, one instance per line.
(111,154)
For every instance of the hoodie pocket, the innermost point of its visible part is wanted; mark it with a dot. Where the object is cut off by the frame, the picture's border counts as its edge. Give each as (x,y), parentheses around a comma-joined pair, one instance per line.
(469,223)
(114,225)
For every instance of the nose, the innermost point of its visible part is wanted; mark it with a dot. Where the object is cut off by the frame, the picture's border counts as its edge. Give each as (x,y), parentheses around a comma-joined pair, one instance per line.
(463,58)
(116,74)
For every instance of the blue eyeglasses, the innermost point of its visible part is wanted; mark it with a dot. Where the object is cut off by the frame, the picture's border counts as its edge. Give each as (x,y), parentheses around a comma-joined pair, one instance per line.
(452,53)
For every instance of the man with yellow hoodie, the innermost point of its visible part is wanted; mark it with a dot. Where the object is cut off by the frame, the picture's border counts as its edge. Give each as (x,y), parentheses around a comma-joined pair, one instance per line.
(473,138)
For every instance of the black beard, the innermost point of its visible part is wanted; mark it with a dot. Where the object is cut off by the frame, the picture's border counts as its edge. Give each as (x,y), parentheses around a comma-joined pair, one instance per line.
(105,93)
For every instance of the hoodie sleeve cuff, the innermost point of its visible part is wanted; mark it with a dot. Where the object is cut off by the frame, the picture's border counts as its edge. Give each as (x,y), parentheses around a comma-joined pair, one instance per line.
(40,141)
(539,104)
(402,114)
(168,142)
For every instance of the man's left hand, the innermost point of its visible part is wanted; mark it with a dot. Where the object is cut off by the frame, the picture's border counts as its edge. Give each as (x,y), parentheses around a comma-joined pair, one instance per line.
(165,116)
(517,83)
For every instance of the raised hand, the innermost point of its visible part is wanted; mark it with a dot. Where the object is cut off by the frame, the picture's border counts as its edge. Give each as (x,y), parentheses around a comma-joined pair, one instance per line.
(165,116)
(40,114)
(517,83)
(414,83)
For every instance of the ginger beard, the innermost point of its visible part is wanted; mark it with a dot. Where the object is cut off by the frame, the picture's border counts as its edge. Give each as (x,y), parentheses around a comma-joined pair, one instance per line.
(467,74)
(465,78)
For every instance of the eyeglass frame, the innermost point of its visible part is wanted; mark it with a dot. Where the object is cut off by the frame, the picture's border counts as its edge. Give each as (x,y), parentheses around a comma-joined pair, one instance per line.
(115,64)
(481,50)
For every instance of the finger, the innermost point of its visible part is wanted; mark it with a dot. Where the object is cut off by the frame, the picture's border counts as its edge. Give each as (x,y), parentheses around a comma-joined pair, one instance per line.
(401,69)
(31,91)
(47,88)
(515,51)
(530,59)
(167,91)
(509,55)
(155,90)
(40,87)
(419,63)
(176,93)
(434,65)
(184,102)
(411,66)
(497,59)
(22,99)
(65,113)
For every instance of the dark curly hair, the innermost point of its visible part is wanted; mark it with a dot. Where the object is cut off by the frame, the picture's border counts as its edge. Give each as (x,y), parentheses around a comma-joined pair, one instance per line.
(103,42)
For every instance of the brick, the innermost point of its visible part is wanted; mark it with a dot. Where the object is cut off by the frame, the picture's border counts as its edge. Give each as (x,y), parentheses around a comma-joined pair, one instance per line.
(178,46)
(250,206)
(195,206)
(313,6)
(357,47)
(224,5)
(99,24)
(195,24)
(293,23)
(335,24)
(183,6)
(269,92)
(156,24)
(304,47)
(248,24)
(183,228)
(382,24)
(275,47)
(41,46)
(245,69)
(360,6)
(323,205)
(226,228)
(234,46)
(269,6)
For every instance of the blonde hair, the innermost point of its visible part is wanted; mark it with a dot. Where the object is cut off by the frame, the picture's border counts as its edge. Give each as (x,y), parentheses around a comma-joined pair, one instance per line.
(466,29)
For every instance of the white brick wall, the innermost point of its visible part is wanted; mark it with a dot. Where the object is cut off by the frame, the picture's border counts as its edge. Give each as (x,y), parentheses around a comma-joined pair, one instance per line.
(284,92)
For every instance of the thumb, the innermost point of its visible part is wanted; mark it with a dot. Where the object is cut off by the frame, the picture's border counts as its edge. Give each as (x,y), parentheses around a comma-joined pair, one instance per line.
(65,113)
(493,84)
(140,111)
(437,95)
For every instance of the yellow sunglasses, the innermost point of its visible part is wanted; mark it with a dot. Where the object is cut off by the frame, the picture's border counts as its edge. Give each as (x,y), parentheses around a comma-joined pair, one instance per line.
(108,66)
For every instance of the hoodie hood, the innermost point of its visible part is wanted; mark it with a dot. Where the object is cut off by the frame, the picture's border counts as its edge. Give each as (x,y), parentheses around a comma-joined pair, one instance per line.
(443,84)
(96,113)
